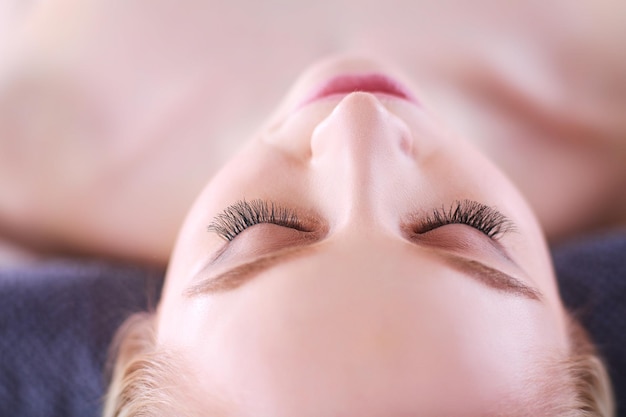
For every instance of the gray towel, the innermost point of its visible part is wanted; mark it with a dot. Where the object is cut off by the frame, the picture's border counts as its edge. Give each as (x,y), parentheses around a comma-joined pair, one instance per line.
(56,320)
(592,278)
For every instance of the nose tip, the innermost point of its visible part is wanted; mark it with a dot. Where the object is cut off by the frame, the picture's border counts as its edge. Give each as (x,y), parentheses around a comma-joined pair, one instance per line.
(360,153)
(364,127)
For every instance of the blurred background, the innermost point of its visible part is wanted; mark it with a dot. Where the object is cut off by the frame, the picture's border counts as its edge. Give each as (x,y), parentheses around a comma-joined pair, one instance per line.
(114,113)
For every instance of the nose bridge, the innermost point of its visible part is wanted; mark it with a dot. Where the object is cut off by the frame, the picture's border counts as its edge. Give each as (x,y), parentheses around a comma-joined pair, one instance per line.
(358,150)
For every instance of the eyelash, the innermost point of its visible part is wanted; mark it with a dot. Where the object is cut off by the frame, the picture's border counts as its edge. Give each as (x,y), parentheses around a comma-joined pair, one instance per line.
(244,214)
(471,213)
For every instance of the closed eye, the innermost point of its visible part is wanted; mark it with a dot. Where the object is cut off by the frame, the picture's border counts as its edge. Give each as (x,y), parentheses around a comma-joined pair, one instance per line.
(481,217)
(244,214)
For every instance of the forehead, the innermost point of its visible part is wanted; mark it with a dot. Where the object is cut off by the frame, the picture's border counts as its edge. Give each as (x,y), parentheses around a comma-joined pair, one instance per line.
(314,337)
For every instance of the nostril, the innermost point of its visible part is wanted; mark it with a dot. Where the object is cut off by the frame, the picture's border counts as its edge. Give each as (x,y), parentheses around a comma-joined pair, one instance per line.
(406,143)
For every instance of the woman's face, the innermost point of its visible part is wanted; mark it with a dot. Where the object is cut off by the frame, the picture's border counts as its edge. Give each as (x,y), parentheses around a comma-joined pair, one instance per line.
(393,270)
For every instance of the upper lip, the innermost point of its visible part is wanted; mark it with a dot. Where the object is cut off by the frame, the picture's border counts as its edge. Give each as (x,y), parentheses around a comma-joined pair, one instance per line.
(349,83)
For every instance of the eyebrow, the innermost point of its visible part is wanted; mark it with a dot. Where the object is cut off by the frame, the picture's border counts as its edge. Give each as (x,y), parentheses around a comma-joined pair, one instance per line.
(238,275)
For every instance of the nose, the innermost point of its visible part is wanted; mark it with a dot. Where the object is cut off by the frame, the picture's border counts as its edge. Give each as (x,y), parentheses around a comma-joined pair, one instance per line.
(361,153)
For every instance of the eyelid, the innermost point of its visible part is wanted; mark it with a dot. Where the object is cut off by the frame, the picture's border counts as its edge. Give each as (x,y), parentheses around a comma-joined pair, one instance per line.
(469,241)
(262,242)
(486,219)
(244,214)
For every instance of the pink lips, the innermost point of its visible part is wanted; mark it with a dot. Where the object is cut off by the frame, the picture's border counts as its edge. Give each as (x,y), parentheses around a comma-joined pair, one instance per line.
(370,83)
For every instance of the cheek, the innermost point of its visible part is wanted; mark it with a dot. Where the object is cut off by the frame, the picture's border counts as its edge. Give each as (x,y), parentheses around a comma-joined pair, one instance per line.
(258,171)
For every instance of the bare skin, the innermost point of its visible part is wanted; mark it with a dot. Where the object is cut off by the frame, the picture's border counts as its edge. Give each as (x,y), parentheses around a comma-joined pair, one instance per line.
(110,125)
(356,311)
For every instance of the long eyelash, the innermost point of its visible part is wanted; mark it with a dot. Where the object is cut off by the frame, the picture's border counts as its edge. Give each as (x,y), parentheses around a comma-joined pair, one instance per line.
(243,214)
(472,213)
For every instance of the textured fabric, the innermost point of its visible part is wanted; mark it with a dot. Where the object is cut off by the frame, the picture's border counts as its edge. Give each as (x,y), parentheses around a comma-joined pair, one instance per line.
(56,321)
(58,318)
(592,277)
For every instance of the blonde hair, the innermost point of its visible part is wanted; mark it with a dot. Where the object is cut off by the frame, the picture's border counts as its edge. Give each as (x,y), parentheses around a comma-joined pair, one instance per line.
(587,380)
(138,371)
(143,376)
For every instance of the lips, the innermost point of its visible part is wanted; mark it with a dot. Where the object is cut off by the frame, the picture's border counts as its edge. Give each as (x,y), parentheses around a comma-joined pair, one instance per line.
(350,83)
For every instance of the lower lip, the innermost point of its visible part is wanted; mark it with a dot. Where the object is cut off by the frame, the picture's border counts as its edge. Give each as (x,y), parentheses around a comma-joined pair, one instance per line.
(369,83)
